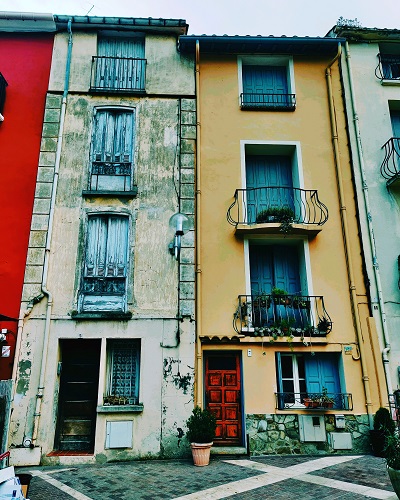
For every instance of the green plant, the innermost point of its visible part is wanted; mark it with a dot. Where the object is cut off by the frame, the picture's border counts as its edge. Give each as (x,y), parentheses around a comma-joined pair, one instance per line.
(383,421)
(324,396)
(201,426)
(392,451)
(324,325)
(284,215)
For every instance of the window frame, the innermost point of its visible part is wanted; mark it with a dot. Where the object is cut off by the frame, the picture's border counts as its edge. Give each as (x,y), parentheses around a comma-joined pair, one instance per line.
(110,391)
(131,189)
(266,60)
(128,256)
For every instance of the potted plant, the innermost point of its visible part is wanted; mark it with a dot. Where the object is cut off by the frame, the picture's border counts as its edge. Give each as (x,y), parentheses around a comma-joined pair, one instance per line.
(201,431)
(280,296)
(325,400)
(324,325)
(392,452)
(383,428)
(284,215)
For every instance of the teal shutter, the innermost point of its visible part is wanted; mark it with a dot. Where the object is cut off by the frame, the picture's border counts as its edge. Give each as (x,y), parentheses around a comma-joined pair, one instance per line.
(263,85)
(273,172)
(322,371)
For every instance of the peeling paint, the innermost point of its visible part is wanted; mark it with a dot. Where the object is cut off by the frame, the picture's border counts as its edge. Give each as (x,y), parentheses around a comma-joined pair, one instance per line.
(24,375)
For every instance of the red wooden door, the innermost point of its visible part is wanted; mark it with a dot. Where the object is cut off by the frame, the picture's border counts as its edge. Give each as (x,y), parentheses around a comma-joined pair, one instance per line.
(223,396)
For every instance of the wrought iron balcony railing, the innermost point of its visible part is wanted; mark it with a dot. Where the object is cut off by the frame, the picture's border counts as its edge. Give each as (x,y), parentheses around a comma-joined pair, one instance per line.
(110,176)
(263,204)
(390,168)
(124,74)
(283,102)
(277,316)
(388,67)
(313,401)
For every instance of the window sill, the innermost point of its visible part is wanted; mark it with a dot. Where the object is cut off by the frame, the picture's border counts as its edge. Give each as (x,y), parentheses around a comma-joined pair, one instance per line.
(102,315)
(390,82)
(110,194)
(120,408)
(104,90)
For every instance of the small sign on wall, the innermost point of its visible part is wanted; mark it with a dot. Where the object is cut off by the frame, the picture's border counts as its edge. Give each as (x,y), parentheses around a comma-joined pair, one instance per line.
(5,351)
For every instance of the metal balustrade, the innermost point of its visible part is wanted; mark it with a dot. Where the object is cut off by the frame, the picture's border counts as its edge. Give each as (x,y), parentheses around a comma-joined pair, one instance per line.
(313,401)
(264,204)
(255,101)
(388,67)
(282,315)
(125,74)
(390,168)
(110,176)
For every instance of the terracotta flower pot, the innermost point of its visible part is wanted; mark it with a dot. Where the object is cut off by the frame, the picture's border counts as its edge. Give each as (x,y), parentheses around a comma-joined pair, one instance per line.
(201,453)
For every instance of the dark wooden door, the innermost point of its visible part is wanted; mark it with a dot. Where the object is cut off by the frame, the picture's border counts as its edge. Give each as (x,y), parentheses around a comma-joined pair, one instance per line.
(79,382)
(223,396)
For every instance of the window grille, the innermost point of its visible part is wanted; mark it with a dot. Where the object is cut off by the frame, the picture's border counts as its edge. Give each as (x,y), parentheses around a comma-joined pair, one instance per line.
(123,372)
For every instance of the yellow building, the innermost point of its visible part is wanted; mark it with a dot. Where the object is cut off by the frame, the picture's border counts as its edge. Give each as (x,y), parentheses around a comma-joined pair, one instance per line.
(287,354)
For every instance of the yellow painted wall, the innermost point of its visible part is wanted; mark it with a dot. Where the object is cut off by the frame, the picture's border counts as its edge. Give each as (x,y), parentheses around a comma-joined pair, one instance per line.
(223,125)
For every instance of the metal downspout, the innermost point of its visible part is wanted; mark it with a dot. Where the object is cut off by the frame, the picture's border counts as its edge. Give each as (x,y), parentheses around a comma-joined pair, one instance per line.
(345,233)
(199,371)
(382,313)
(39,395)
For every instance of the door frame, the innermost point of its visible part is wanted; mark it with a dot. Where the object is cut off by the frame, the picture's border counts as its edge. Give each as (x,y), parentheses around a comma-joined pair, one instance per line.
(239,353)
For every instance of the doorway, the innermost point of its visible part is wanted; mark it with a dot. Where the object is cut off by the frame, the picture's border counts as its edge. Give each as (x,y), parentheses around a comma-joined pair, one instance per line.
(79,380)
(223,395)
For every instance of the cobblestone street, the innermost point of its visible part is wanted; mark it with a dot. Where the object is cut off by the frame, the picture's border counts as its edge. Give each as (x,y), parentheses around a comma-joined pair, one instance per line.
(278,477)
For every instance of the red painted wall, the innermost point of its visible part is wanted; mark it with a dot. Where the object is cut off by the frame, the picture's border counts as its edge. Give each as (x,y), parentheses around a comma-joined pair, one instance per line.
(25,61)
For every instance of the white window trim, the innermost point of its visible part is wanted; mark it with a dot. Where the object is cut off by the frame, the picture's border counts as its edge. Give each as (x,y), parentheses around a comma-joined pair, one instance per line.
(265,60)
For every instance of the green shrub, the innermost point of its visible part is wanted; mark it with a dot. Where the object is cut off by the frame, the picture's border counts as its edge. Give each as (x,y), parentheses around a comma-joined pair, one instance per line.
(201,426)
(383,421)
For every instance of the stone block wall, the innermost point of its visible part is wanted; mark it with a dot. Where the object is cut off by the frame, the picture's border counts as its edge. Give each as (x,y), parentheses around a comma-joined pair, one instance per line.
(270,434)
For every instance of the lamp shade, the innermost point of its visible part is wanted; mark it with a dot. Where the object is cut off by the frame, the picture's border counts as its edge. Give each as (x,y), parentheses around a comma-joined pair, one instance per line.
(179,223)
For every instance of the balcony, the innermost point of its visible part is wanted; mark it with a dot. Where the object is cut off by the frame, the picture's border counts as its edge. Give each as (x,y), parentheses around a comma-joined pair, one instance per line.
(277,209)
(111,178)
(313,401)
(273,102)
(118,74)
(390,168)
(274,316)
(388,67)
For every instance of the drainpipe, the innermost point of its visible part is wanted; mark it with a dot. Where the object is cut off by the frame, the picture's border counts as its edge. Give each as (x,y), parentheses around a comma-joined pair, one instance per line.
(199,371)
(371,239)
(345,233)
(45,290)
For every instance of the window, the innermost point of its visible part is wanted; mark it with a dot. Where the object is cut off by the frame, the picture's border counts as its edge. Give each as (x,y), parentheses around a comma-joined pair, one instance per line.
(106,262)
(111,158)
(266,84)
(123,372)
(302,375)
(3,85)
(390,66)
(119,65)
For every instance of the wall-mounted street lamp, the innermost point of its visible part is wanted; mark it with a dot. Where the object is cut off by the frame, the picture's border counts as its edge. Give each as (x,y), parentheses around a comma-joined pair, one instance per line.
(180,224)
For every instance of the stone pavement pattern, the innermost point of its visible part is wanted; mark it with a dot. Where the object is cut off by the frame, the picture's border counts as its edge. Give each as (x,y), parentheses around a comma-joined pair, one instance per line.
(277,477)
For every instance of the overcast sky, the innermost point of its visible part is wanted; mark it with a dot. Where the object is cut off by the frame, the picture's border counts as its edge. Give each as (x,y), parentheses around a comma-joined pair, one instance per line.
(232,17)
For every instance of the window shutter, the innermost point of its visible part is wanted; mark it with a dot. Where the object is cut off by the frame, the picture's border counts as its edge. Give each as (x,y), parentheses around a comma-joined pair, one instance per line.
(117,246)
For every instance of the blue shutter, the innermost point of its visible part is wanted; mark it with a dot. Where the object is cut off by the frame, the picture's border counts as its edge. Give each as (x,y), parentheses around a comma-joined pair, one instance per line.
(322,371)
(264,171)
(260,82)
(261,269)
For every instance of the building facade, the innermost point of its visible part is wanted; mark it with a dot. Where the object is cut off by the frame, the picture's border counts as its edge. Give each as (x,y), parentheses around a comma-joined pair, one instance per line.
(26,43)
(370,65)
(287,353)
(106,355)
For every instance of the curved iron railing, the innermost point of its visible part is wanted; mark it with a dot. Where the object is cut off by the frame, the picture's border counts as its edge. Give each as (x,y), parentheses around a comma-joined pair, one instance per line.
(276,316)
(254,101)
(251,206)
(313,401)
(390,167)
(118,74)
(388,67)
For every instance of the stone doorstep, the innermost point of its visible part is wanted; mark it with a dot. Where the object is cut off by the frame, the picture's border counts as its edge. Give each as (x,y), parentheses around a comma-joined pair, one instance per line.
(228,450)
